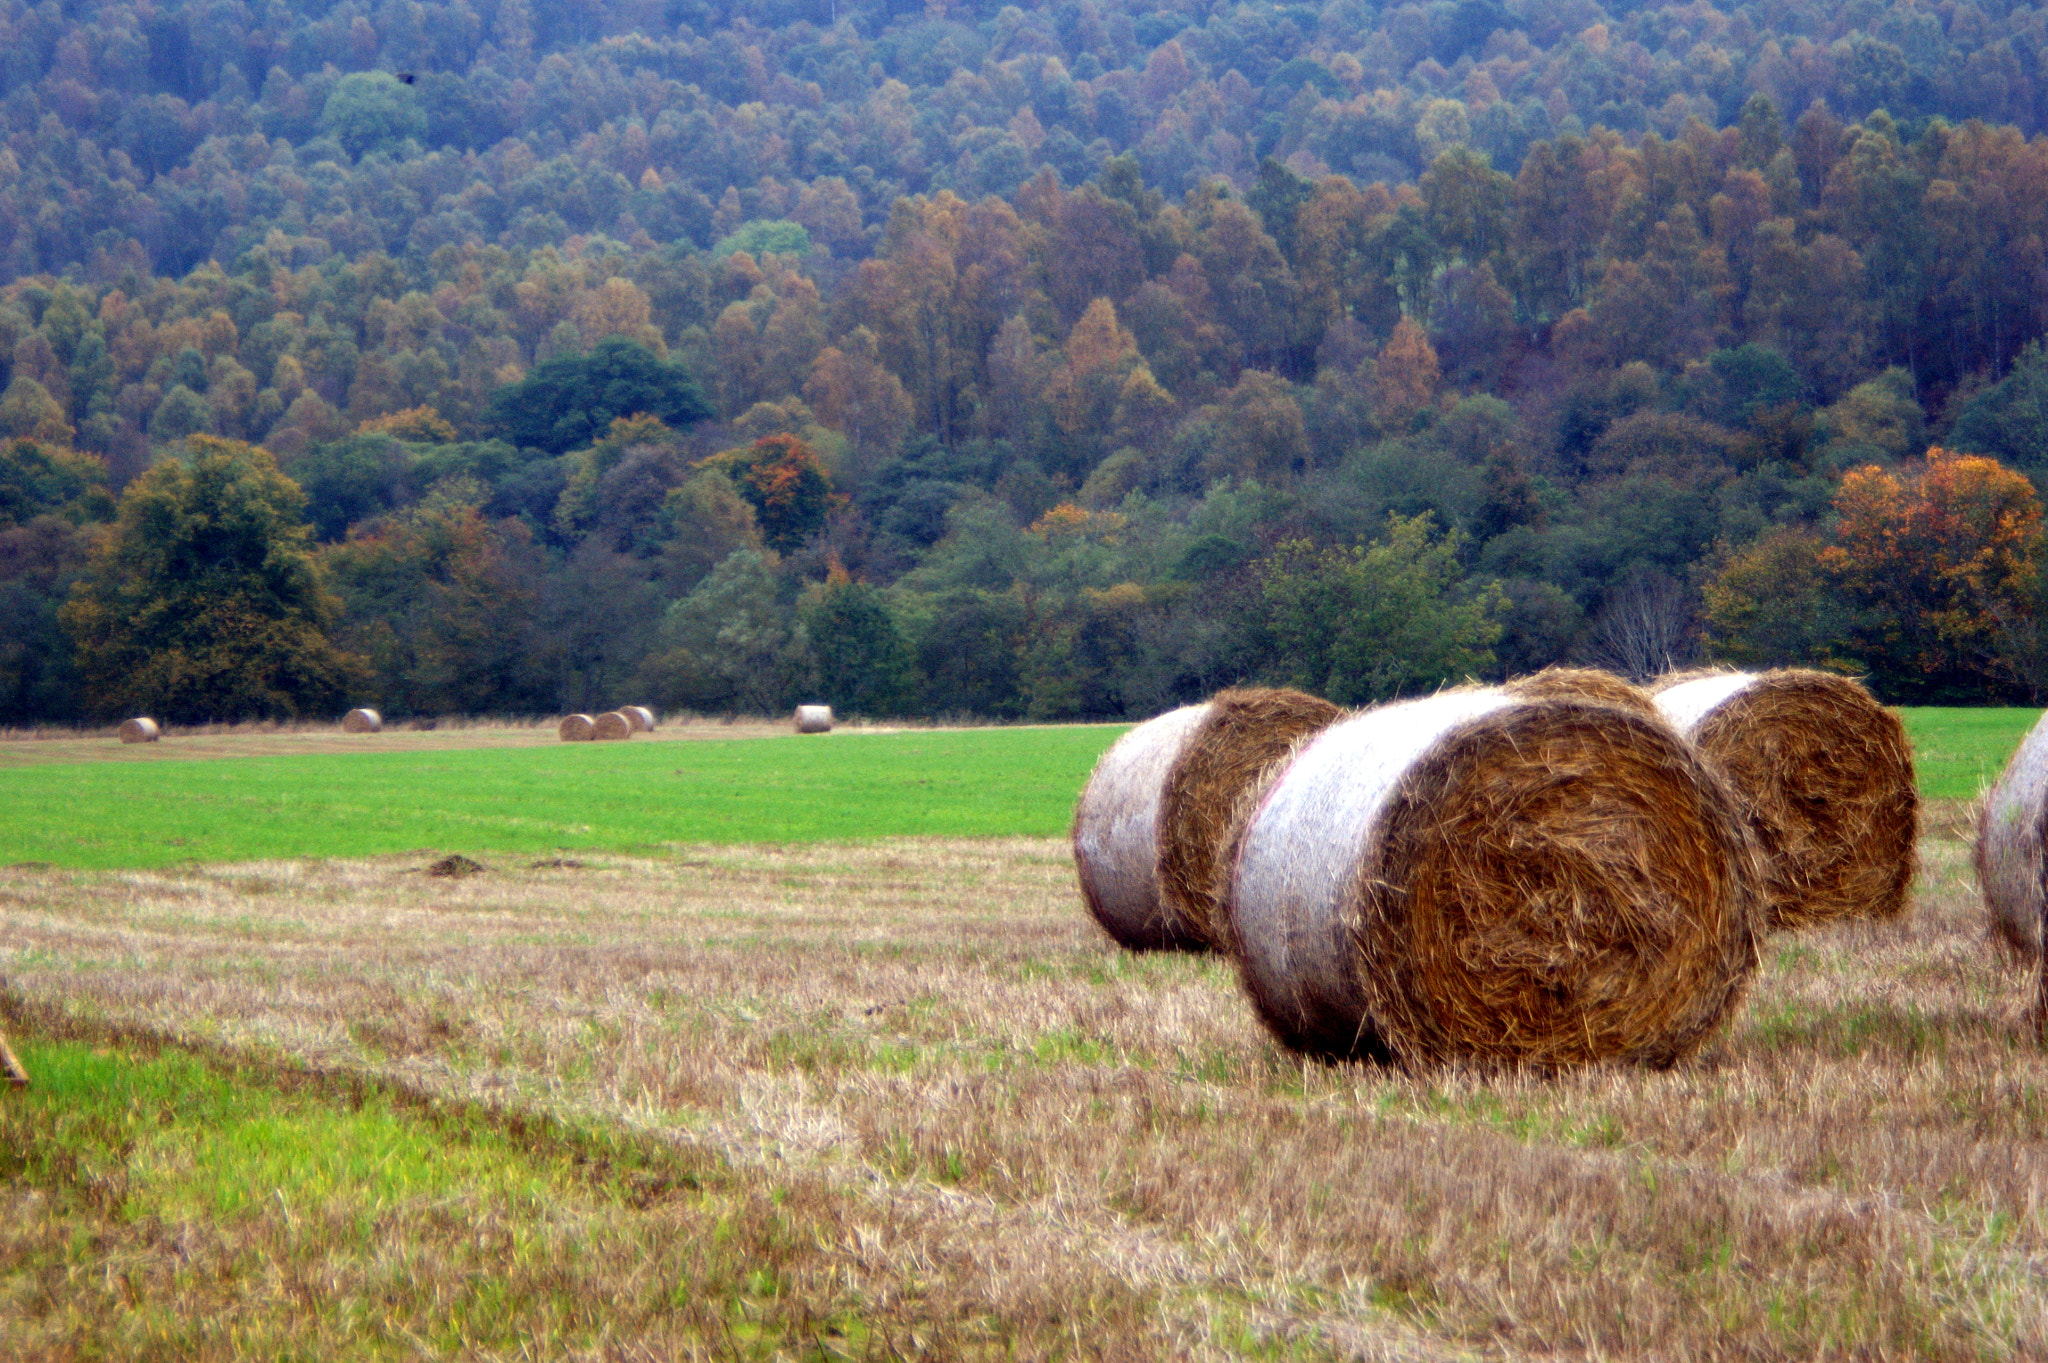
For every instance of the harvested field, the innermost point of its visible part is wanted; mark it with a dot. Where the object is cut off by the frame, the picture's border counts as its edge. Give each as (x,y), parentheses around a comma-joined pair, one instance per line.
(904,1099)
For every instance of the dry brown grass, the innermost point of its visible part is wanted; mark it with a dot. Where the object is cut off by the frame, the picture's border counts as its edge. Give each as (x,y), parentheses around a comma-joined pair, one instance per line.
(928,1086)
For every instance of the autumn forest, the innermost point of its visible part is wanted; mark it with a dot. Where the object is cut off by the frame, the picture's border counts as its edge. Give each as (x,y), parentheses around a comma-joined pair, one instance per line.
(969,360)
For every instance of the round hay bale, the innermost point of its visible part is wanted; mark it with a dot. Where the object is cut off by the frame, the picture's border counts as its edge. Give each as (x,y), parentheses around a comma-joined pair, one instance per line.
(361,722)
(642,717)
(612,725)
(814,719)
(1583,683)
(1243,741)
(1474,876)
(139,731)
(2012,832)
(10,1068)
(1117,832)
(577,729)
(1825,777)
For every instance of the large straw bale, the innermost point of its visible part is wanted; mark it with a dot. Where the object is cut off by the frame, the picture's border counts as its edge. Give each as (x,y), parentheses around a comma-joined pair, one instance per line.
(361,722)
(577,729)
(1242,742)
(1117,834)
(2012,832)
(1825,776)
(1583,683)
(814,719)
(612,725)
(1474,876)
(642,717)
(10,1068)
(139,731)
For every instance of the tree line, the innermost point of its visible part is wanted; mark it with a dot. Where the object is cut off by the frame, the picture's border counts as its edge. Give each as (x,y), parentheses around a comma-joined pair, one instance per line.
(1079,440)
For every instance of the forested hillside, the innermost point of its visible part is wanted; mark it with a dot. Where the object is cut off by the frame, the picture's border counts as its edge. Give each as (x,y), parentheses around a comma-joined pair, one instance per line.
(1056,363)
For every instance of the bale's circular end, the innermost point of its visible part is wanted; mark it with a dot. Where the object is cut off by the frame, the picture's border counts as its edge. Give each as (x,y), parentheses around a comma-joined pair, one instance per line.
(814,719)
(1825,776)
(642,717)
(1240,745)
(1481,878)
(612,726)
(1575,887)
(577,729)
(2011,853)
(1117,835)
(1583,683)
(361,722)
(139,730)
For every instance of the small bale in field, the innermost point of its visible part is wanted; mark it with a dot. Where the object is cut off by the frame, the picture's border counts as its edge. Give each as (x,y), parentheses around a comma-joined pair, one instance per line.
(1825,777)
(814,719)
(1479,877)
(142,730)
(642,717)
(1241,744)
(1583,683)
(613,725)
(362,722)
(2011,853)
(1116,834)
(10,1068)
(577,729)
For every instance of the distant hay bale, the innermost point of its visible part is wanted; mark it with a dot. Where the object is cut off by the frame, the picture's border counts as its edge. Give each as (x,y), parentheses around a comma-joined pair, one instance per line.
(10,1068)
(642,717)
(614,724)
(1116,834)
(2012,832)
(361,722)
(139,731)
(814,719)
(1475,876)
(577,729)
(1241,743)
(1825,776)
(1583,683)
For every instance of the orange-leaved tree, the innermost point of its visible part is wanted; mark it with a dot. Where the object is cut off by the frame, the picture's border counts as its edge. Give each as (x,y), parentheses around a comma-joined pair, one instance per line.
(1940,568)
(781,477)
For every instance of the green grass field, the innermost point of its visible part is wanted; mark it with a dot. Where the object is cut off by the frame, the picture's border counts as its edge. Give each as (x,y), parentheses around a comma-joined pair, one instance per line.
(568,797)
(644,797)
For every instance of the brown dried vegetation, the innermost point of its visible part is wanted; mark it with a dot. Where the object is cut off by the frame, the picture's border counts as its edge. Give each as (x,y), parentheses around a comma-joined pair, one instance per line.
(1825,775)
(1243,741)
(909,1102)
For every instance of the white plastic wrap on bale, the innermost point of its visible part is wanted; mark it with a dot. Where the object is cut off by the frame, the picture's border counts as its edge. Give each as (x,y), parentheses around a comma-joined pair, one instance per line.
(1688,704)
(2012,865)
(814,719)
(1291,886)
(1116,831)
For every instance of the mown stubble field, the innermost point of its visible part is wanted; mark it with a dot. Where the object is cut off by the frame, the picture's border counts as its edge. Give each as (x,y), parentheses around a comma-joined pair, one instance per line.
(904,1100)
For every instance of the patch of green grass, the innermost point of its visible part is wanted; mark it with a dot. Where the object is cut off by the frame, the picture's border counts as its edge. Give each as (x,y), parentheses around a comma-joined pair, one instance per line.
(1959,752)
(586,797)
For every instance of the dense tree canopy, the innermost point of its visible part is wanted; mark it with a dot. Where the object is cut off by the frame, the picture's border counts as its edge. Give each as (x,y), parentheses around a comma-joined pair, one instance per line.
(205,602)
(1111,353)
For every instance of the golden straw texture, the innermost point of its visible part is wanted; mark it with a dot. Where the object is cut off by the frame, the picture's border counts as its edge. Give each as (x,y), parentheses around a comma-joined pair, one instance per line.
(577,729)
(361,722)
(1583,683)
(1825,777)
(1243,741)
(612,726)
(1478,877)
